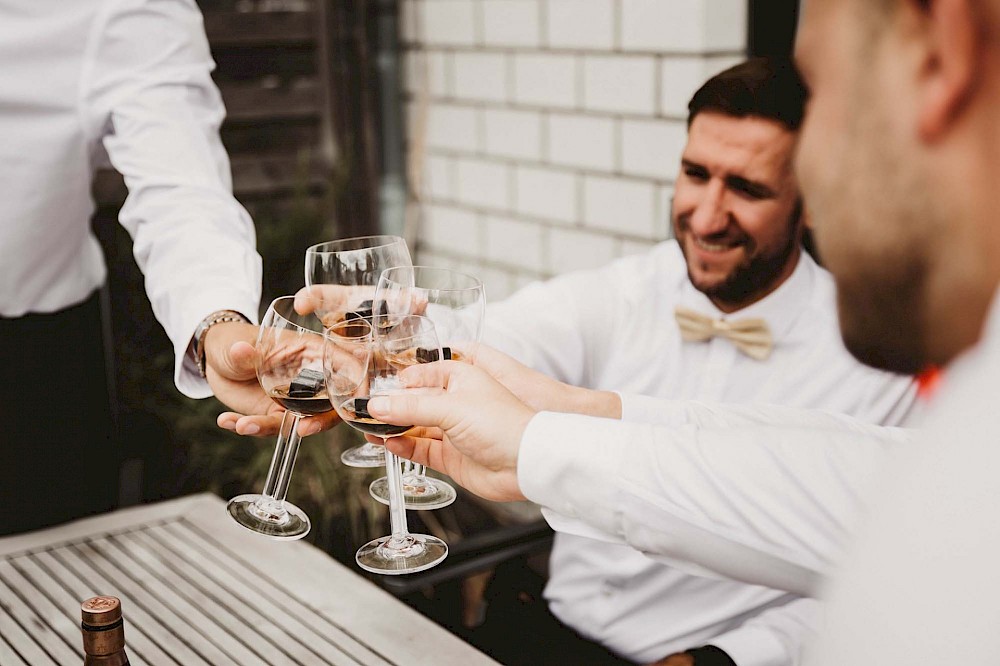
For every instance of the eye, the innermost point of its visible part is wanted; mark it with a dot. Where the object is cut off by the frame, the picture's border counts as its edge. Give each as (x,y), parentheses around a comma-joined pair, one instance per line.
(748,189)
(751,193)
(696,173)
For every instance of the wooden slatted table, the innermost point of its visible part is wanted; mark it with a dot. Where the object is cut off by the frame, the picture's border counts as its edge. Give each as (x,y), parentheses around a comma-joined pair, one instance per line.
(197,589)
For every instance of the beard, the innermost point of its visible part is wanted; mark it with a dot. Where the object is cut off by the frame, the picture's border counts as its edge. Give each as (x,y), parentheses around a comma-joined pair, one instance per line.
(757,275)
(881,319)
(875,227)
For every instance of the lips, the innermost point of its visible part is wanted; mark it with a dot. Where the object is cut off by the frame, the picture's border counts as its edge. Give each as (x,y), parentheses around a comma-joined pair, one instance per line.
(716,246)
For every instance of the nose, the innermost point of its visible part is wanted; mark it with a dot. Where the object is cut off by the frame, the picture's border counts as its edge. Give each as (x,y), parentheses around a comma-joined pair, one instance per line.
(709,216)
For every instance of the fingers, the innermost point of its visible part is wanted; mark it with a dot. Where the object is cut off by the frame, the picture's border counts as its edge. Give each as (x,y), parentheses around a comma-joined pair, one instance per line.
(252,426)
(318,423)
(408,409)
(267,425)
(423,431)
(436,375)
(420,450)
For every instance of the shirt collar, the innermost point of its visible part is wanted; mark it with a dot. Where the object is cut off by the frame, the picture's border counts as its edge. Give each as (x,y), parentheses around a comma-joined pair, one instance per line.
(780,309)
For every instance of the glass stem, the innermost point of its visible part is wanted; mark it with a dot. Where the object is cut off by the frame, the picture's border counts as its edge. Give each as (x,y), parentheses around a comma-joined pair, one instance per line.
(397,506)
(285,451)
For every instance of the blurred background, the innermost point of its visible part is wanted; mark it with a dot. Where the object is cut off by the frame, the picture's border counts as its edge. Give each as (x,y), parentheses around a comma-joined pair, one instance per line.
(512,139)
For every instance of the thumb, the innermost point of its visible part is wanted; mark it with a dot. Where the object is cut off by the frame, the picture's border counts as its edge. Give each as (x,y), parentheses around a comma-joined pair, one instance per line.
(239,360)
(426,409)
(235,362)
(229,350)
(304,302)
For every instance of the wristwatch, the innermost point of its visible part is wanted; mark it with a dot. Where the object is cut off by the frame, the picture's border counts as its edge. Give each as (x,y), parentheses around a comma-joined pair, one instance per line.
(197,346)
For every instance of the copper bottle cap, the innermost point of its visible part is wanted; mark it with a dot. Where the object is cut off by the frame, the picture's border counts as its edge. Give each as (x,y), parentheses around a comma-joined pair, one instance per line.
(101,611)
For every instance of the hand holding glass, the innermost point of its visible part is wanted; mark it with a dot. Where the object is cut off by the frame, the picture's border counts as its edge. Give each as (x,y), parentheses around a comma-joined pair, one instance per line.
(290,371)
(456,303)
(398,344)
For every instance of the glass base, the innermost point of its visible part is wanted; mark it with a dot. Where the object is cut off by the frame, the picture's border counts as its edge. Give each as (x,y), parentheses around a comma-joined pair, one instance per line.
(366,455)
(421,493)
(264,515)
(412,553)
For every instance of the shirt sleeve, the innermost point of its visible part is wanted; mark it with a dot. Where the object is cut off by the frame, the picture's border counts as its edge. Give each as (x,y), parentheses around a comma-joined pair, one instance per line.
(767,505)
(556,326)
(149,94)
(665,412)
(775,637)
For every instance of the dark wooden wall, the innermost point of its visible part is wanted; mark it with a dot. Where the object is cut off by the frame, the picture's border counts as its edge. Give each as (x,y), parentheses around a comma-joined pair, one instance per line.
(304,163)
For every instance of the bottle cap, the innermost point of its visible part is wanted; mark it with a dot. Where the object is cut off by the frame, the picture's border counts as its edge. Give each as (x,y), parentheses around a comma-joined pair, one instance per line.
(101,611)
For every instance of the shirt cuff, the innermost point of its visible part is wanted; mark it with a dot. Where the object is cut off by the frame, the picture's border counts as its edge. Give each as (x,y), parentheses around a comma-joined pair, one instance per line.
(186,376)
(658,411)
(753,646)
(562,465)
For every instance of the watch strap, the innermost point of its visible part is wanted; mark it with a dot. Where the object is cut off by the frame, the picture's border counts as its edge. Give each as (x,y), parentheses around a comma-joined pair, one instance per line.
(198,341)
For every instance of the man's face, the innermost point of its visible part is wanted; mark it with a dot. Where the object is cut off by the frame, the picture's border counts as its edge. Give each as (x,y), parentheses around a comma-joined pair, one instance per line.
(870,212)
(736,211)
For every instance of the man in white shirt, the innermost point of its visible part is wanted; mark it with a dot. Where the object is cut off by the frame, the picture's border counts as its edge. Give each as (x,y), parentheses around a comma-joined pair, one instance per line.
(919,585)
(80,82)
(738,220)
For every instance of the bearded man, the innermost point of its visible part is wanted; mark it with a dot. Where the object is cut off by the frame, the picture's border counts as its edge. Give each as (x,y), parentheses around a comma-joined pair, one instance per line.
(654,324)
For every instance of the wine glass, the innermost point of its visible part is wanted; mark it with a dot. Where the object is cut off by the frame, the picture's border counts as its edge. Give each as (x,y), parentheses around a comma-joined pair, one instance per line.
(456,303)
(398,344)
(341,276)
(289,368)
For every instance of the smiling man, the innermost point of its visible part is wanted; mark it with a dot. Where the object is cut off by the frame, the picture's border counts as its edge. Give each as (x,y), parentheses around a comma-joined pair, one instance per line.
(732,311)
(737,212)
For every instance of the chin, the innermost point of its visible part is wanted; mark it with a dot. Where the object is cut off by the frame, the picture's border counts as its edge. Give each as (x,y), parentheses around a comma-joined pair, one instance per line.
(881,334)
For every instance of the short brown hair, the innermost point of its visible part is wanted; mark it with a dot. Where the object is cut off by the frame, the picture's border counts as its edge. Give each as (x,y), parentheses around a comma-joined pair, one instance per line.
(766,87)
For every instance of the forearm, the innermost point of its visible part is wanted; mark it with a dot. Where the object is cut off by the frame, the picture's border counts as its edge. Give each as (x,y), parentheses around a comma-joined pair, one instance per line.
(150,96)
(765,505)
(587,402)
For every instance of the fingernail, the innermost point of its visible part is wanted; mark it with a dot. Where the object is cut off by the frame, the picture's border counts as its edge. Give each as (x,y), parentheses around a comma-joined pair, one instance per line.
(251,429)
(379,404)
(312,429)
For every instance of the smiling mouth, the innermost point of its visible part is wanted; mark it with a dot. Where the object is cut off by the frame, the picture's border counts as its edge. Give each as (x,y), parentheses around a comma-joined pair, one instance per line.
(715,247)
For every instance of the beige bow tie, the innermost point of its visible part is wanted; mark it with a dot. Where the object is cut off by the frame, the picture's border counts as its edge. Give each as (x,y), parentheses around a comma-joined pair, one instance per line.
(751,336)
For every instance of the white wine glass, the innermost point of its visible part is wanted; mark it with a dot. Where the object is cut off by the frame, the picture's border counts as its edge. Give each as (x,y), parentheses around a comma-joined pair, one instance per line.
(289,364)
(341,276)
(456,303)
(400,343)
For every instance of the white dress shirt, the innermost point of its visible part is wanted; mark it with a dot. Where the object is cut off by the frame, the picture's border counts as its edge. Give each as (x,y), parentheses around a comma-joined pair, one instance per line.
(614,329)
(85,80)
(921,583)
(717,490)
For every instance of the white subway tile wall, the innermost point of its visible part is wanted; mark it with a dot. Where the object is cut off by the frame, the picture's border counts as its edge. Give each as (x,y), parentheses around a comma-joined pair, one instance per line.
(513,23)
(553,129)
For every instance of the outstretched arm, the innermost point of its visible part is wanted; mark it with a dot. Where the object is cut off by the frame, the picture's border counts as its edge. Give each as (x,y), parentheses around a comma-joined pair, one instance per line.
(768,505)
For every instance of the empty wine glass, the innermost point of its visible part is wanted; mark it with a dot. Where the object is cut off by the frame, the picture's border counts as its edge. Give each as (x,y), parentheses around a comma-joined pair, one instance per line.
(341,276)
(289,368)
(456,303)
(398,344)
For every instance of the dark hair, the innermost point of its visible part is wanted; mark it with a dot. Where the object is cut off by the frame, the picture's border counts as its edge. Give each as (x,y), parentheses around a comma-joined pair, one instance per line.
(766,87)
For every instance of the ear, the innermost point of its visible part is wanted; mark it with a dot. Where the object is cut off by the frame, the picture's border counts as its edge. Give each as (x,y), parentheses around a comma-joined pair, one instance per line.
(947,76)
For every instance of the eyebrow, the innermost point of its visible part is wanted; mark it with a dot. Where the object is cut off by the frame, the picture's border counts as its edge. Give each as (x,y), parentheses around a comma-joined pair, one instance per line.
(756,188)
